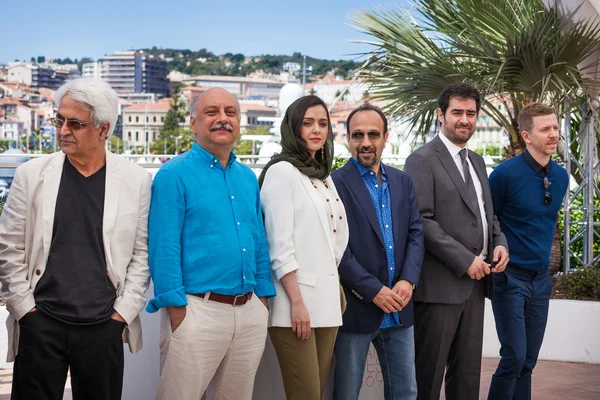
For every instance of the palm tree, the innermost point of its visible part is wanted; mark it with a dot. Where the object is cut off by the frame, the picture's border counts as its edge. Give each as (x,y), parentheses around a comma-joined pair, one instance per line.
(517,51)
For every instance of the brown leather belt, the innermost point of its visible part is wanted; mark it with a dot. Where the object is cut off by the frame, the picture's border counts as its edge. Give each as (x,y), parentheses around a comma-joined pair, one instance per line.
(238,300)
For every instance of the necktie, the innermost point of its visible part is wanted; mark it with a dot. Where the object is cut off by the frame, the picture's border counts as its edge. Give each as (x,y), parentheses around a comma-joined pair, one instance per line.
(472,195)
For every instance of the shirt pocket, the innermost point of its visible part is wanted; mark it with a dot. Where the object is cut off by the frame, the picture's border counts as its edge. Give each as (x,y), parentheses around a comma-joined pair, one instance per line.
(306,278)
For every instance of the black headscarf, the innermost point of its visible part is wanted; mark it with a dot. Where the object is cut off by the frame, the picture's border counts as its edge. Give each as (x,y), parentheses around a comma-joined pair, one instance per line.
(294,147)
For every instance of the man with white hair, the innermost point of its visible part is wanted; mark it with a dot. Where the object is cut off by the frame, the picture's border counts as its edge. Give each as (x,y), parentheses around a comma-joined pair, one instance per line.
(74,255)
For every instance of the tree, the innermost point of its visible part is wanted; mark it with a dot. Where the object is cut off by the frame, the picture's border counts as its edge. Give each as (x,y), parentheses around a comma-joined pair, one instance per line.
(41,59)
(515,50)
(172,129)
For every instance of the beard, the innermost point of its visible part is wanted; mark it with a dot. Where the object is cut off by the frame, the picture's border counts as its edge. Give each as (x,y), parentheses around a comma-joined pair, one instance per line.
(456,137)
(366,156)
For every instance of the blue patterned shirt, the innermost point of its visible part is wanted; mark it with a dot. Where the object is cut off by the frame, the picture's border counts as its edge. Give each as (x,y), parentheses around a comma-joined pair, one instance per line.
(380,196)
(206,230)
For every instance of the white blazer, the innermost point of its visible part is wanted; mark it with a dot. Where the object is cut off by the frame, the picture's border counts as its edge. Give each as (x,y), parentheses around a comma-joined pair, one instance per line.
(307,234)
(26,233)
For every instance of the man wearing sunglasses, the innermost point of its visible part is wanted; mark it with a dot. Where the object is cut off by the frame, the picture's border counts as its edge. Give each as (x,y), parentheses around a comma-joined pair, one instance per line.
(381,265)
(73,255)
(527,192)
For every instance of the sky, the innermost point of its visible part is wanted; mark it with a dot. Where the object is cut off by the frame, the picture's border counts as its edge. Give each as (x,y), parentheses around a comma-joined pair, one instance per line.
(76,29)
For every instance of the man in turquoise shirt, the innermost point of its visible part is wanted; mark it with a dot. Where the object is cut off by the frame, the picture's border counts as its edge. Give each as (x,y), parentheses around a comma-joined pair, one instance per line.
(209,260)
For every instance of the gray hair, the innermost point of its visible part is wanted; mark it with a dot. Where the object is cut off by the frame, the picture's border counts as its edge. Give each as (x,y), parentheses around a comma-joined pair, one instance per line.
(195,101)
(96,96)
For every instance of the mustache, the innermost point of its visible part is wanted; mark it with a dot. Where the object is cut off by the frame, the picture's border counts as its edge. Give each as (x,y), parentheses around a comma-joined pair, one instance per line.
(362,149)
(460,125)
(218,126)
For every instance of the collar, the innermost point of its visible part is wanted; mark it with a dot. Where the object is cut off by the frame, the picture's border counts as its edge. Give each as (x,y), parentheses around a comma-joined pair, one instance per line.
(535,165)
(362,170)
(452,148)
(209,158)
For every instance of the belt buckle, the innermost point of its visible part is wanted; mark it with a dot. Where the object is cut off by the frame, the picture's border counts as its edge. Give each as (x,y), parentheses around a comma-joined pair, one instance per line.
(236,299)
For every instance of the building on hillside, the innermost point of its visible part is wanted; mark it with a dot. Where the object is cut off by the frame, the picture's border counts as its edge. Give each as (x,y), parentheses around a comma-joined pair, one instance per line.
(11,128)
(329,88)
(36,76)
(134,72)
(176,78)
(251,114)
(239,86)
(143,122)
(90,70)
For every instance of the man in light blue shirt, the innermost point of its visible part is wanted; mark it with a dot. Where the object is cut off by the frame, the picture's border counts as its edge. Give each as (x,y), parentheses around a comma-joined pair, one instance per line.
(209,260)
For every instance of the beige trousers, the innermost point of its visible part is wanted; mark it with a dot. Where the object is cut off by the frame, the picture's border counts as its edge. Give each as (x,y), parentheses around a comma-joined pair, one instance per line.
(214,340)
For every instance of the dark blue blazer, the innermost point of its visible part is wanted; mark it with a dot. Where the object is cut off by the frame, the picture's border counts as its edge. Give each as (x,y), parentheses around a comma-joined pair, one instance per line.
(363,269)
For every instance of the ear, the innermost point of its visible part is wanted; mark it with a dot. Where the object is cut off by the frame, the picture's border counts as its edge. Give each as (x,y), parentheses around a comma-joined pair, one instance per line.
(526,137)
(385,136)
(440,114)
(192,123)
(104,130)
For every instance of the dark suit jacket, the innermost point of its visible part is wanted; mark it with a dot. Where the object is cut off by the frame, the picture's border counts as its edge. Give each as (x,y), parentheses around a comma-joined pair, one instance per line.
(450,224)
(364,268)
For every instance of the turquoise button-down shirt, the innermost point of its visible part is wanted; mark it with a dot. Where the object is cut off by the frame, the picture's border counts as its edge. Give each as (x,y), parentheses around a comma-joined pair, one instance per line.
(206,230)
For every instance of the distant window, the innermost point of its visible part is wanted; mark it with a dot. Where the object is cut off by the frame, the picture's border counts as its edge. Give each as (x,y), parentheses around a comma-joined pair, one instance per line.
(137,136)
(137,119)
(162,119)
(154,134)
(154,118)
(147,119)
(146,136)
(129,135)
(130,118)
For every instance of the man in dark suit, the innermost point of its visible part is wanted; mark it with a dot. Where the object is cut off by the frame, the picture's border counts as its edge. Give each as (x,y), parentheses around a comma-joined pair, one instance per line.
(463,244)
(381,265)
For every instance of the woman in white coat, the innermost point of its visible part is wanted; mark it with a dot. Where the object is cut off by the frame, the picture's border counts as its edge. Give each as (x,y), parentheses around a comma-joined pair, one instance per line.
(307,233)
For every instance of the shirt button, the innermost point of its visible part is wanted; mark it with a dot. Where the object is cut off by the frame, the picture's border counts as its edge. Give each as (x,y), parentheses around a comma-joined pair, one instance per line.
(238,222)
(331,215)
(38,272)
(474,225)
(340,217)
(390,247)
(372,173)
(233,197)
(391,269)
(376,186)
(387,226)
(211,165)
(215,160)
(383,206)
(244,276)
(334,231)
(244,249)
(327,200)
(337,199)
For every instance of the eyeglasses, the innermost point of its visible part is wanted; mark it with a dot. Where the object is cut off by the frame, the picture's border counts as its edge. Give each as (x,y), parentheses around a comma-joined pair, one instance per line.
(72,124)
(547,195)
(360,135)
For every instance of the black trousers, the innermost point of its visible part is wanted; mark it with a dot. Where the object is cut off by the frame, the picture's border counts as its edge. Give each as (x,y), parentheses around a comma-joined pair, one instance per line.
(449,339)
(48,348)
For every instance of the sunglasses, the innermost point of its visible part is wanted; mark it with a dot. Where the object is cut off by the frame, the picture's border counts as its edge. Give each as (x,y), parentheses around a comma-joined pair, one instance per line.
(72,124)
(360,135)
(547,195)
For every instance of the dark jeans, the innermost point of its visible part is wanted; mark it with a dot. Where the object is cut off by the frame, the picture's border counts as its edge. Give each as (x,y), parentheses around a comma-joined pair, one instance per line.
(396,351)
(521,299)
(48,348)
